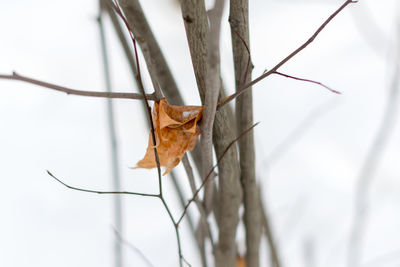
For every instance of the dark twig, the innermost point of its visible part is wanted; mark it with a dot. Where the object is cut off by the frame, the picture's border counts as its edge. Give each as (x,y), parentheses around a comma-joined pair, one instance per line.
(286,59)
(212,169)
(307,80)
(182,199)
(153,135)
(69,91)
(101,192)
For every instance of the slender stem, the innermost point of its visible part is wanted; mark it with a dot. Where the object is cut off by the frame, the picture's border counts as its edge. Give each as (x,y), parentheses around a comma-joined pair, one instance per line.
(17,77)
(101,192)
(153,133)
(211,171)
(307,80)
(286,59)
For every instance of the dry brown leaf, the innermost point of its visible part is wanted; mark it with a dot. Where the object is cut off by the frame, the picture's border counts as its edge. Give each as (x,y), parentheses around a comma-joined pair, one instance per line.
(240,262)
(176,131)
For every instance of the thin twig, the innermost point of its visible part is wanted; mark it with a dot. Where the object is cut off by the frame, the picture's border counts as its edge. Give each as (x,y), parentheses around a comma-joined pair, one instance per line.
(248,51)
(212,169)
(307,80)
(153,134)
(69,91)
(102,192)
(203,213)
(286,59)
(182,199)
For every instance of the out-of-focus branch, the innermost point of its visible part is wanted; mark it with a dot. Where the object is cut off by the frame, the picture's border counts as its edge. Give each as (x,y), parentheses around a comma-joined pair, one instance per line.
(273,251)
(133,248)
(239,22)
(298,132)
(69,91)
(371,163)
(151,50)
(182,199)
(124,43)
(286,59)
(116,180)
(153,134)
(203,228)
(369,28)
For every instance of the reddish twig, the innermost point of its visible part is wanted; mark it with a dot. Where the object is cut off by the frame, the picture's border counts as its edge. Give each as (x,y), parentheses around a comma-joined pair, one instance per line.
(17,77)
(286,59)
(277,72)
(248,51)
(306,80)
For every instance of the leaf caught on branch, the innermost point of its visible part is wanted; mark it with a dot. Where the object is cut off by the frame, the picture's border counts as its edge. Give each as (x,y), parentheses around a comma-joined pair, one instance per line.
(176,132)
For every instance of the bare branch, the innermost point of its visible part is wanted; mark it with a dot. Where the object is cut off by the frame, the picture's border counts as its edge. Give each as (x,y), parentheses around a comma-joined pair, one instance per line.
(212,169)
(286,59)
(101,192)
(150,120)
(137,23)
(307,80)
(18,77)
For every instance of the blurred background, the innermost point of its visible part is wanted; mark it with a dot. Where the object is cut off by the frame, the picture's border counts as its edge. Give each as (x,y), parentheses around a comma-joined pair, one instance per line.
(318,153)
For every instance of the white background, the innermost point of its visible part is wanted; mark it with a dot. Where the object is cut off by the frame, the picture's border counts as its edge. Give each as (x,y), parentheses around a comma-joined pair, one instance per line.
(309,190)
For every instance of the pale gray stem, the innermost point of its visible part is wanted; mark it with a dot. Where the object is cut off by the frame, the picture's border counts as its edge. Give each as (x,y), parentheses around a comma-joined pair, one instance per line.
(371,163)
(197,29)
(269,234)
(239,22)
(182,199)
(196,25)
(211,94)
(230,193)
(116,180)
(204,228)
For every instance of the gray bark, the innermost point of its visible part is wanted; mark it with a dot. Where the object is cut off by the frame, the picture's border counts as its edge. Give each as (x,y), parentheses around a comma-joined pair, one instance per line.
(239,21)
